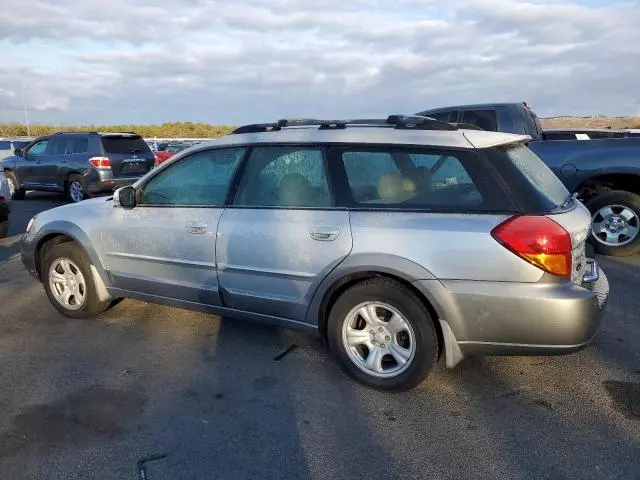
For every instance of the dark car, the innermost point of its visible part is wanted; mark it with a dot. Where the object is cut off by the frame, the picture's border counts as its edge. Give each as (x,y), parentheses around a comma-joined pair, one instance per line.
(80,164)
(603,172)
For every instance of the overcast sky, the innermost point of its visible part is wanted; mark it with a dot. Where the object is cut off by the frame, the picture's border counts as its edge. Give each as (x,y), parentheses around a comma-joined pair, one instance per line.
(240,61)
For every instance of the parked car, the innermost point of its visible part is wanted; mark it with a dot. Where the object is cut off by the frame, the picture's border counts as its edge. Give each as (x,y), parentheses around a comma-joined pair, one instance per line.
(605,173)
(8,146)
(397,240)
(80,164)
(168,150)
(5,204)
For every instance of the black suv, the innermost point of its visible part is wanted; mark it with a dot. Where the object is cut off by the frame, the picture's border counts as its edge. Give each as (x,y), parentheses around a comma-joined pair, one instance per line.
(80,164)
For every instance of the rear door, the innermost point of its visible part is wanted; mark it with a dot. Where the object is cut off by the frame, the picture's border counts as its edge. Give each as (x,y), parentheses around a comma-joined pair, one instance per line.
(130,155)
(165,246)
(282,234)
(57,156)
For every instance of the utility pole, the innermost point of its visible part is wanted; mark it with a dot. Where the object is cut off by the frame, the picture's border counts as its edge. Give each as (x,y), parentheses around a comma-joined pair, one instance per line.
(26,113)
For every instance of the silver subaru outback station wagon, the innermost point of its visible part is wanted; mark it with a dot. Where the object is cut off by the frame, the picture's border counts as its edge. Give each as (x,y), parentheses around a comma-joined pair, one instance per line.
(398,240)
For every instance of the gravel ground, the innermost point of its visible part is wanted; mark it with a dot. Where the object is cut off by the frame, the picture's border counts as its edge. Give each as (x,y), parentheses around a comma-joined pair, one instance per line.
(88,399)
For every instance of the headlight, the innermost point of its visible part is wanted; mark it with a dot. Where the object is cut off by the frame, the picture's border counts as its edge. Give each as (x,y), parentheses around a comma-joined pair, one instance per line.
(30,224)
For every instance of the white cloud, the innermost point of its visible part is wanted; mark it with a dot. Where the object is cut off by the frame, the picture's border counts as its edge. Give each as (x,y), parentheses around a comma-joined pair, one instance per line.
(251,60)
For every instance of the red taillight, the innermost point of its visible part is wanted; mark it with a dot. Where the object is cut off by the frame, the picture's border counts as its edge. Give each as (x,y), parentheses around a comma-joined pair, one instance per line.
(100,162)
(156,160)
(538,240)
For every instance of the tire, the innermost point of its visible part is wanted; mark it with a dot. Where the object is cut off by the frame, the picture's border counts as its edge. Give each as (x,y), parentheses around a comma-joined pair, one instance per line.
(74,190)
(72,253)
(18,193)
(4,228)
(420,329)
(619,202)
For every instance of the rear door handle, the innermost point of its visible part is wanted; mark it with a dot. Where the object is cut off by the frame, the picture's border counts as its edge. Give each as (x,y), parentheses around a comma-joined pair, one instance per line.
(324,234)
(196,228)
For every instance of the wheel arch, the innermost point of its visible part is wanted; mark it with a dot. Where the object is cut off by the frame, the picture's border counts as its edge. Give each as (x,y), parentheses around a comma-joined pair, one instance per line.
(62,232)
(364,267)
(604,182)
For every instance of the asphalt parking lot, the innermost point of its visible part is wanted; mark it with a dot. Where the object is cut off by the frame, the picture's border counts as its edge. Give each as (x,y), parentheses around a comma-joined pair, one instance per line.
(89,399)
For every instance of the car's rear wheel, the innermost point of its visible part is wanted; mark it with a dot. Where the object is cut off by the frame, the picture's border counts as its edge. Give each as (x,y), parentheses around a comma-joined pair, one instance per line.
(16,192)
(75,189)
(615,226)
(383,335)
(4,228)
(67,278)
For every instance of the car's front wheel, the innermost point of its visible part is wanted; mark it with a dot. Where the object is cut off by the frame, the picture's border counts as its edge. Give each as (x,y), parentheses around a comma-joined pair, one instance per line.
(383,335)
(67,278)
(16,192)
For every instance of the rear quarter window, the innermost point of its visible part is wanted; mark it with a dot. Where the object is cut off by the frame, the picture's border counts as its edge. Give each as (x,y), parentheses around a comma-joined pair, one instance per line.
(536,188)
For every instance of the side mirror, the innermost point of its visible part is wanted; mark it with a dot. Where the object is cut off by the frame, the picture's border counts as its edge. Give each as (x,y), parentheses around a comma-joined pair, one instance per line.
(124,197)
(18,152)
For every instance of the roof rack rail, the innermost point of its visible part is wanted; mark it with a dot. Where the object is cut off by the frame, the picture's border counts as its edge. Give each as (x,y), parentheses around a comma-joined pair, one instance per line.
(398,121)
(65,132)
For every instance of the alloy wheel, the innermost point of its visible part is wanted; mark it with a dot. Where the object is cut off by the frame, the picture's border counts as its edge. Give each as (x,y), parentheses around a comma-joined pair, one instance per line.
(67,284)
(378,339)
(615,225)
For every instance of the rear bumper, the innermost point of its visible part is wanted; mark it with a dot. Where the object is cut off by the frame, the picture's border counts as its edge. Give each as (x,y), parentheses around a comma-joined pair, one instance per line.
(493,318)
(103,181)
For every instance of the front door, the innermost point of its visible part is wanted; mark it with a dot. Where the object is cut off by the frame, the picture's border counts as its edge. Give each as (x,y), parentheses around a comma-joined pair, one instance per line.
(29,170)
(281,235)
(165,245)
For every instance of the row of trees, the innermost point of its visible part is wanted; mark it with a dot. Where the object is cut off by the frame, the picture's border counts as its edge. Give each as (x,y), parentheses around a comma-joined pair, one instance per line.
(166,130)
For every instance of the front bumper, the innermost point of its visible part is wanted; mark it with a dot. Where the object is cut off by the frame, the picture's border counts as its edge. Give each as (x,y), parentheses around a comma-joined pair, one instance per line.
(27,254)
(493,318)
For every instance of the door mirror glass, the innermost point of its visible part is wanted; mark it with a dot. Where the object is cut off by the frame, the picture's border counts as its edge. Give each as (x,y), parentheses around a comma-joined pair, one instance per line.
(18,152)
(124,197)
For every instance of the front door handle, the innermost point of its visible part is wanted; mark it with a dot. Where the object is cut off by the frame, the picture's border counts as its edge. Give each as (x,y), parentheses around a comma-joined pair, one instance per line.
(196,228)
(324,234)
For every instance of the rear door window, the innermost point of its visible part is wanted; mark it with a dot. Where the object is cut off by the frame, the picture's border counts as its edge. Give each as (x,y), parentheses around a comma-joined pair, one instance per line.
(292,177)
(484,119)
(59,146)
(441,180)
(124,144)
(80,145)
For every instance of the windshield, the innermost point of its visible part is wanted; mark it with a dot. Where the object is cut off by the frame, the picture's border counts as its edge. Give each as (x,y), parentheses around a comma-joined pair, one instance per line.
(539,175)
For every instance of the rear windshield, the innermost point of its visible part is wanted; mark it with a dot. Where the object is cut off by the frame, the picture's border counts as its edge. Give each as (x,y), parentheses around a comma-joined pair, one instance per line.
(5,145)
(548,187)
(128,144)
